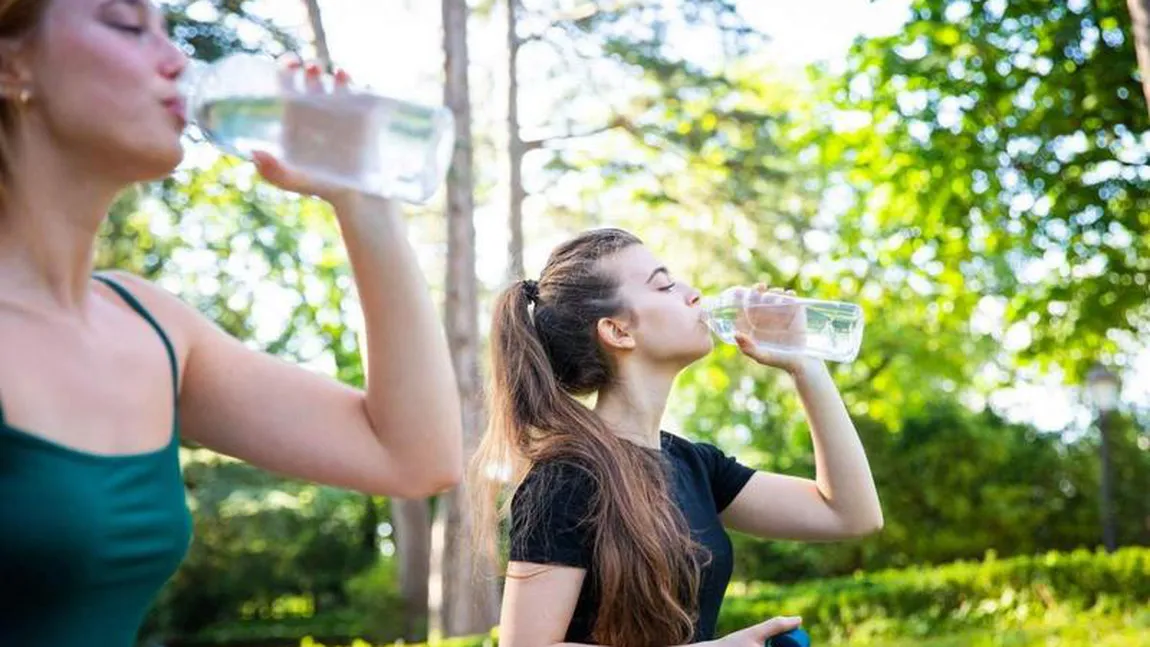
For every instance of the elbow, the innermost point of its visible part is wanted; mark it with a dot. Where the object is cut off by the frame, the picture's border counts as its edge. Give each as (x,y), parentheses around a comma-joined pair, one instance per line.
(430,481)
(868,526)
(449,477)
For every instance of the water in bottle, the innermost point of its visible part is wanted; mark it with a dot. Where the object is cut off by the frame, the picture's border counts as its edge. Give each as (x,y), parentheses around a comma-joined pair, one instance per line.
(348,137)
(829,330)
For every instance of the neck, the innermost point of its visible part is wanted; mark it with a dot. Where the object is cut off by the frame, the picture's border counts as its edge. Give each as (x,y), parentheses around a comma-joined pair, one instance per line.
(633,406)
(48,224)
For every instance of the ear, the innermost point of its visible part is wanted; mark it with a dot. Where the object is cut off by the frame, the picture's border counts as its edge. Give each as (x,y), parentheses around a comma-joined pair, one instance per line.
(615,334)
(15,75)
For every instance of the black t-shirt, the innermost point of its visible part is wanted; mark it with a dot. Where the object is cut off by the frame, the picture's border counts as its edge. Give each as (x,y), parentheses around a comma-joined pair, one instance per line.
(704,482)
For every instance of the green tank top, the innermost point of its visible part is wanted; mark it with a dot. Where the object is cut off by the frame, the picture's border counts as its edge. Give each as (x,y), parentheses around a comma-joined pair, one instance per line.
(86,540)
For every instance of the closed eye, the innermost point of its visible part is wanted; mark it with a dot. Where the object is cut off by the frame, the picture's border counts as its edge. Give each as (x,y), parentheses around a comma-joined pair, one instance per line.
(129,16)
(667,288)
(130,29)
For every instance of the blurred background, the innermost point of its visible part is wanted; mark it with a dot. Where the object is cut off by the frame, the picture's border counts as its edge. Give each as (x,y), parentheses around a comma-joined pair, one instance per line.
(974,174)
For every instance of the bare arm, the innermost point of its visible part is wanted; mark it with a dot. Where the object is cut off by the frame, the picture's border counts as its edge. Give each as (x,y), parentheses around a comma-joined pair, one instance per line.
(401,437)
(539,600)
(841,502)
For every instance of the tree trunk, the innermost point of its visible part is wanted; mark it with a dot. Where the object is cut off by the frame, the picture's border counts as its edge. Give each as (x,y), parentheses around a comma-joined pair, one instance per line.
(319,36)
(412,521)
(515,148)
(468,604)
(1140,19)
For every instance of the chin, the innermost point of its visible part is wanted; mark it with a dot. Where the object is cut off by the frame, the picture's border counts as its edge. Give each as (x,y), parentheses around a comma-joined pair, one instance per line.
(157,163)
(695,354)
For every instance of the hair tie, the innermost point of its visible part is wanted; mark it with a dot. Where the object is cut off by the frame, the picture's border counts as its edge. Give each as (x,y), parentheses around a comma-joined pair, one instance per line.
(531,290)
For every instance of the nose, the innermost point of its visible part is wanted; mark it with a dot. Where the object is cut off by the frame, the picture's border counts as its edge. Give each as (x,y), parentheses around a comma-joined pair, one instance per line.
(694,297)
(174,61)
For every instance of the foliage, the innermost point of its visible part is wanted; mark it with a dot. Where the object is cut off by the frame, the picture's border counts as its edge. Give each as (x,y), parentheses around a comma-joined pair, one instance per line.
(209,30)
(954,485)
(374,595)
(958,597)
(1074,597)
(997,149)
(1055,628)
(258,539)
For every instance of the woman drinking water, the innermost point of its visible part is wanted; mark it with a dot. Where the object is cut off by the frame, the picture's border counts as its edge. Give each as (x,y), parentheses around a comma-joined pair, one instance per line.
(101,376)
(618,529)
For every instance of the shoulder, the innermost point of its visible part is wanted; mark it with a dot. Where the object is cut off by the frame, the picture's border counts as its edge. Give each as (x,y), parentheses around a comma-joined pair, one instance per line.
(556,479)
(183,323)
(151,296)
(692,451)
(552,515)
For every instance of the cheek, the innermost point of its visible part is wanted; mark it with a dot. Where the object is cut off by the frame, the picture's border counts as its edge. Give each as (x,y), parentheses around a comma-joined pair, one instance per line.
(94,78)
(663,321)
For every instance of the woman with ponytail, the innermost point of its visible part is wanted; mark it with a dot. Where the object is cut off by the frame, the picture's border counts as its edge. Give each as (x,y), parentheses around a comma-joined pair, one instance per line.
(618,529)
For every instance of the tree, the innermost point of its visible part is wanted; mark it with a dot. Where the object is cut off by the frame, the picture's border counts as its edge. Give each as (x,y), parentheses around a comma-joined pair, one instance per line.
(469,602)
(1140,19)
(994,153)
(232,28)
(516,149)
(319,36)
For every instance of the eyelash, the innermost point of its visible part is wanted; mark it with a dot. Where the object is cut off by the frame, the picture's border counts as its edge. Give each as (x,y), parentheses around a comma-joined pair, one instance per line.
(135,31)
(668,288)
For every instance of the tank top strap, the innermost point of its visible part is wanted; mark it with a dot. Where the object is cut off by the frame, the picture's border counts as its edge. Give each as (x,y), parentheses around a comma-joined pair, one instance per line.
(135,304)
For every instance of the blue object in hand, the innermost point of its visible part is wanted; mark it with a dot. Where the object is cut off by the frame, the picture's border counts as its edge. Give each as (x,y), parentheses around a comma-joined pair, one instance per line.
(793,638)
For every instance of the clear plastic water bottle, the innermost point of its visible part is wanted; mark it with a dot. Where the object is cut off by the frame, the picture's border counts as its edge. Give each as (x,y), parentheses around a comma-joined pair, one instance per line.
(829,330)
(348,137)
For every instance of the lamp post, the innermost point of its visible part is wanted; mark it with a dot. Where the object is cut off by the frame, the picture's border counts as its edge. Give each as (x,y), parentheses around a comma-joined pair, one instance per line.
(1104,388)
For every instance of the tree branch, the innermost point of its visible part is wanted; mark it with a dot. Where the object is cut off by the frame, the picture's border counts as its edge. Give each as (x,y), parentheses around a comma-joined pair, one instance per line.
(535,144)
(319,36)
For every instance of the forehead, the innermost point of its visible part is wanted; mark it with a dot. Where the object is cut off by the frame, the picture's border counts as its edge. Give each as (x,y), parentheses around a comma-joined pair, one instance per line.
(83,8)
(633,264)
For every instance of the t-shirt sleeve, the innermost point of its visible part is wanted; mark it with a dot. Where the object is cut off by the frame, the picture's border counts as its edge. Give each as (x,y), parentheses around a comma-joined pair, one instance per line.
(728,476)
(549,516)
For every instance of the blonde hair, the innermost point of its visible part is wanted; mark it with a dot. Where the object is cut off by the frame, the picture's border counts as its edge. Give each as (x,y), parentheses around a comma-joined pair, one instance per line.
(17,18)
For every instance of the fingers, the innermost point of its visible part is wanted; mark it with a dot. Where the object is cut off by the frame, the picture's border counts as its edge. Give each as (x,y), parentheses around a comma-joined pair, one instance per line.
(313,76)
(776,626)
(269,166)
(744,342)
(748,347)
(763,293)
(342,80)
(288,70)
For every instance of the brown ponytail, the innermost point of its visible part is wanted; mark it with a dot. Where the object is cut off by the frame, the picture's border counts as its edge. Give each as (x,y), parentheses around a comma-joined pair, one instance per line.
(545,352)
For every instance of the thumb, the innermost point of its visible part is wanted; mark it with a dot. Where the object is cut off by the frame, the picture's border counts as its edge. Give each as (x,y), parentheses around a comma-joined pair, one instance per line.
(269,167)
(749,348)
(775,626)
(274,170)
(745,343)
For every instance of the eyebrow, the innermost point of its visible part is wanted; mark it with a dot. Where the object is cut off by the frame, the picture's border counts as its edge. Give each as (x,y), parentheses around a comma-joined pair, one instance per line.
(657,271)
(147,7)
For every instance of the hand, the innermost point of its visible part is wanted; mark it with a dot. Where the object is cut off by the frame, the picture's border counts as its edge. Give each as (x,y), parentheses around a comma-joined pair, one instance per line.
(757,635)
(783,322)
(300,126)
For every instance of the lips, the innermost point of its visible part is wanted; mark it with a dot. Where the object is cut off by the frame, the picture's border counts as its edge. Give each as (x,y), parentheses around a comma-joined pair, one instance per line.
(177,108)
